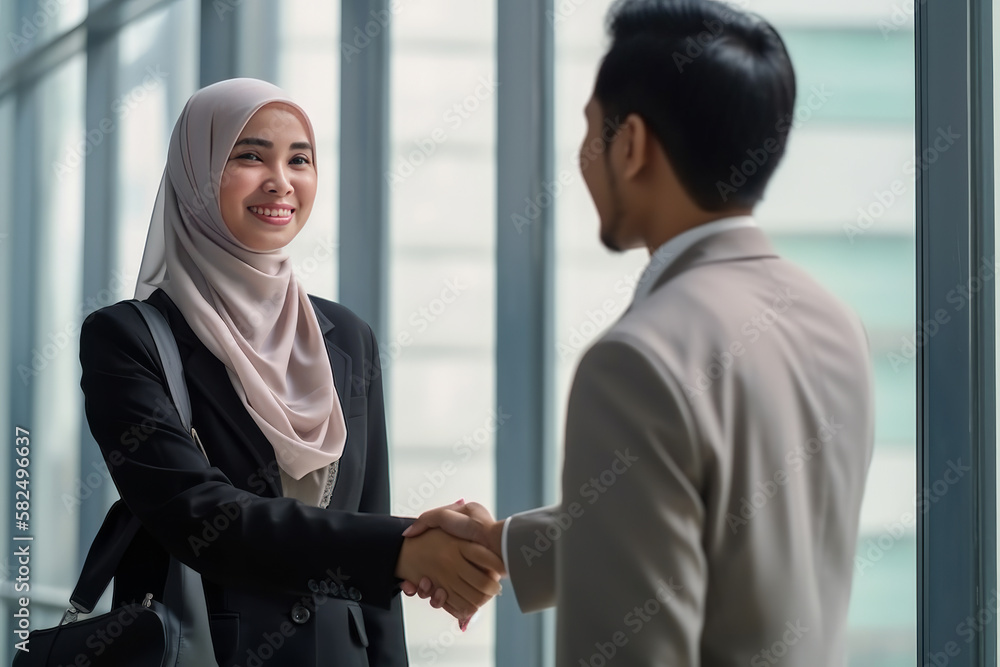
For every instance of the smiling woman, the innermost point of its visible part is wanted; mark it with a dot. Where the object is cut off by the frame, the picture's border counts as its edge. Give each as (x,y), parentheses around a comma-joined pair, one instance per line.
(296,485)
(269,183)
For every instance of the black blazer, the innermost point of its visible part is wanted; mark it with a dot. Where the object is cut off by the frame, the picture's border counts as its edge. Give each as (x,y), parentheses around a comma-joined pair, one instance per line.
(286,583)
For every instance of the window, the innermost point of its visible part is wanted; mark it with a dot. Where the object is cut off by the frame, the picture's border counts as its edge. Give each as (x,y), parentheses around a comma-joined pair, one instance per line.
(439,355)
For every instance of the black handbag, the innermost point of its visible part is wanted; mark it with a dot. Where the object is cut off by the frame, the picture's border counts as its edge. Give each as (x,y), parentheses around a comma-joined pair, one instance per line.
(173,632)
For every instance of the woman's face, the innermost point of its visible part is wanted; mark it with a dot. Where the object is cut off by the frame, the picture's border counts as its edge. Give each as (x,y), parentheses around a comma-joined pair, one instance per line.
(269,182)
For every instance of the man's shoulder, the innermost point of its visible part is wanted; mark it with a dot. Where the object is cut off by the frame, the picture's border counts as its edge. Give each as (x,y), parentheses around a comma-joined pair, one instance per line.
(722,292)
(711,307)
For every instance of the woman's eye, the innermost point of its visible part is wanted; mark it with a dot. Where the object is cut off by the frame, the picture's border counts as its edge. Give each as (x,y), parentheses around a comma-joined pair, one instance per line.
(248,156)
(300,159)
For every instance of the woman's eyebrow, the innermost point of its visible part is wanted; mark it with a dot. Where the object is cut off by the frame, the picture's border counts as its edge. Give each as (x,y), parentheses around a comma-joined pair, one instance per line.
(264,143)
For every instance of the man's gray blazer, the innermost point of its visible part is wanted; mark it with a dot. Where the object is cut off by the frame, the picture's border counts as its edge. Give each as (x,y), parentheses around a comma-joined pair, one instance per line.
(718,438)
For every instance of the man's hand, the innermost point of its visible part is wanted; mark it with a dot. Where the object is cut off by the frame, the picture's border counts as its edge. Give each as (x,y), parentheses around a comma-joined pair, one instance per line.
(468,573)
(468,521)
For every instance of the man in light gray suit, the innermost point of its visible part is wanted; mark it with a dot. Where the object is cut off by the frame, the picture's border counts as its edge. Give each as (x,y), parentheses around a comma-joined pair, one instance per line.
(719,434)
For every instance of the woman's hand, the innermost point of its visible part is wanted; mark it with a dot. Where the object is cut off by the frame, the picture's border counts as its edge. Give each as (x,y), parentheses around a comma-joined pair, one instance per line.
(469,573)
(469,521)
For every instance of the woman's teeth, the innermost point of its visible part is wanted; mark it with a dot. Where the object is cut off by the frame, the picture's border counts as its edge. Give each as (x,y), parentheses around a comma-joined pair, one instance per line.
(272,212)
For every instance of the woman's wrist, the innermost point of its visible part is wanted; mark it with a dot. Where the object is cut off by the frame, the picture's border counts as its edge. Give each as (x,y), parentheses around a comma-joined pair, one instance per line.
(403,560)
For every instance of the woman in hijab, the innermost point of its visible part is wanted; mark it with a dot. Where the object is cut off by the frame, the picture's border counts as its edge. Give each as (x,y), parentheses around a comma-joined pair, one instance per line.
(279,495)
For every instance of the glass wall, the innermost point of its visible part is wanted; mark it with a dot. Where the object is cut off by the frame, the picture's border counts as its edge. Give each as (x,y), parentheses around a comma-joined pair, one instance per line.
(53,377)
(308,69)
(158,65)
(438,355)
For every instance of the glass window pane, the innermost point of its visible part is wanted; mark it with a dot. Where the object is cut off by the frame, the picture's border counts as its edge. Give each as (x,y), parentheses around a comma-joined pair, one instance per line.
(157,73)
(439,353)
(837,61)
(54,380)
(309,70)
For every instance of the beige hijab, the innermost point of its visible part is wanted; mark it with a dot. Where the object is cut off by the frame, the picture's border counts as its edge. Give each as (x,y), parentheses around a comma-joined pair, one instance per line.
(245,305)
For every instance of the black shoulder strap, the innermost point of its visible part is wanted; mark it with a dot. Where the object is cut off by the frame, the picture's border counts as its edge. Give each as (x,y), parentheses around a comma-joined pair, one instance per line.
(120,525)
(170,358)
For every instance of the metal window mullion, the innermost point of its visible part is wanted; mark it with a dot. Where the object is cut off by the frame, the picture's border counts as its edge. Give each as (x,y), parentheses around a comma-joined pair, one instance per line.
(525,447)
(984,367)
(219,35)
(100,242)
(956,542)
(239,39)
(363,266)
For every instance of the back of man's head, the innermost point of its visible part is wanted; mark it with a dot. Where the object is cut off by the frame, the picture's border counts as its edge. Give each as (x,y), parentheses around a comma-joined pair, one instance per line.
(714,85)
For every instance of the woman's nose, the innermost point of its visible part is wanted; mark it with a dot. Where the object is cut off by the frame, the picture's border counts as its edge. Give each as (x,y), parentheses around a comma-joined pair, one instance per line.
(278,182)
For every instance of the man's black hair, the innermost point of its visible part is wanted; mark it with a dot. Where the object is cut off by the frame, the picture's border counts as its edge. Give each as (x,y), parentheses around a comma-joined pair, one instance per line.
(714,85)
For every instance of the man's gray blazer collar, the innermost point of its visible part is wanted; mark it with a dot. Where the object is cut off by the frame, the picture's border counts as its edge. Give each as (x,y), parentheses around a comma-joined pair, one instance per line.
(728,246)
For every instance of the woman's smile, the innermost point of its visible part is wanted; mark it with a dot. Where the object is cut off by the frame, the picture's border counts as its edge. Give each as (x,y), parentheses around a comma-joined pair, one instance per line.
(278,214)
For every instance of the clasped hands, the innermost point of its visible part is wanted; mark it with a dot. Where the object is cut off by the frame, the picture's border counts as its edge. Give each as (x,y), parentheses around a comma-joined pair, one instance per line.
(452,555)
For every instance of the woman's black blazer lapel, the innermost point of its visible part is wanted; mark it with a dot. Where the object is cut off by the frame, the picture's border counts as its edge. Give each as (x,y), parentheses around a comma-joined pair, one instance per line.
(209,375)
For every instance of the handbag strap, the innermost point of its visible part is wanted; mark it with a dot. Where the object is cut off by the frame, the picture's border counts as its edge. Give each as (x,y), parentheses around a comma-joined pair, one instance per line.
(170,358)
(120,525)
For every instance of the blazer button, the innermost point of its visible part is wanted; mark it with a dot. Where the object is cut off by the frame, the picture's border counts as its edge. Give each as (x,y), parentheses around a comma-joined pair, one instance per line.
(313,586)
(300,614)
(355,594)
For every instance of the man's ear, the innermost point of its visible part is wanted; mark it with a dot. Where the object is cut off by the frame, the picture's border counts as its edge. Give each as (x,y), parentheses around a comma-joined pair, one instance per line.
(635,139)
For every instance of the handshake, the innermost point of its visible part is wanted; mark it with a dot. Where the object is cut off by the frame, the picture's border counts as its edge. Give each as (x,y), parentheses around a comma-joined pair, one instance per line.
(452,555)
